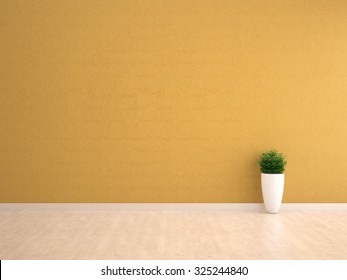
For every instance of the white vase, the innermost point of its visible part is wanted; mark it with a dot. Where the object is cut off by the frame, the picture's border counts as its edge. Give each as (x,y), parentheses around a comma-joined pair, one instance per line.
(272,186)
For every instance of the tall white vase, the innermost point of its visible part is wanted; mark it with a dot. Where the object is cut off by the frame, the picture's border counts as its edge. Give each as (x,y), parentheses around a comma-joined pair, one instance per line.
(272,186)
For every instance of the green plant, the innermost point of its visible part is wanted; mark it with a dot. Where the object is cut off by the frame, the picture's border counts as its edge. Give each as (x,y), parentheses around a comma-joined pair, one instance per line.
(272,162)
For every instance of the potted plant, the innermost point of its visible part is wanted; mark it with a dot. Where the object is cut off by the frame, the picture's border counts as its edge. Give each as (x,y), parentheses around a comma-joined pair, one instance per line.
(272,165)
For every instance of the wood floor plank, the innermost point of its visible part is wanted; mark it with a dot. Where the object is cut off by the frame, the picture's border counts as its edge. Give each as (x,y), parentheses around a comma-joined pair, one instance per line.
(207,234)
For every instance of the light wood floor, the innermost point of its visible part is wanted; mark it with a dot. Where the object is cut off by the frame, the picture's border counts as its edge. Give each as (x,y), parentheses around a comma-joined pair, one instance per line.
(173,235)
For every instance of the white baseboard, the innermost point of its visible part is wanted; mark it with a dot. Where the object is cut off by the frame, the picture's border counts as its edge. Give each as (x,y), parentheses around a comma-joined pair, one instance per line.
(315,206)
(168,206)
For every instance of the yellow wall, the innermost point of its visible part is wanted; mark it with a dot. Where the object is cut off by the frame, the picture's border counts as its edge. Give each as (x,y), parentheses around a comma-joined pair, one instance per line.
(171,101)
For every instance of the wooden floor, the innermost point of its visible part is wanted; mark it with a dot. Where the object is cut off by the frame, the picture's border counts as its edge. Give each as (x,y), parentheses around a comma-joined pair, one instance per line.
(173,235)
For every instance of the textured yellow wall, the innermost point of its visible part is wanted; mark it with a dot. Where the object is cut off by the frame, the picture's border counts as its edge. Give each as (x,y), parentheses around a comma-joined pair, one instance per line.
(171,101)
